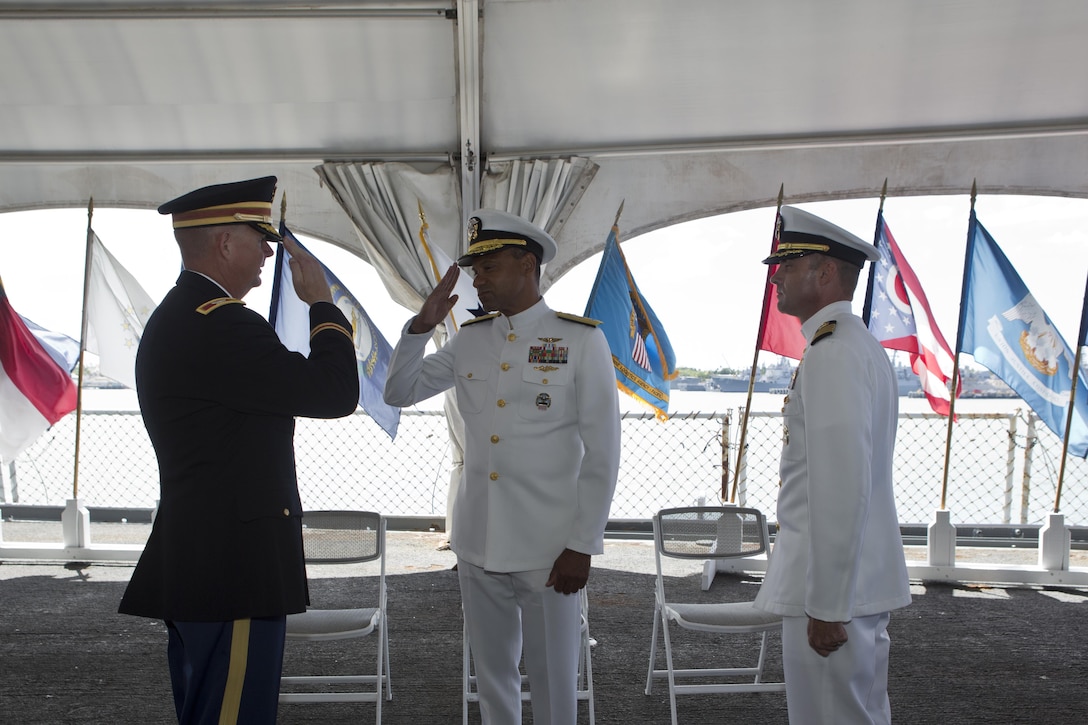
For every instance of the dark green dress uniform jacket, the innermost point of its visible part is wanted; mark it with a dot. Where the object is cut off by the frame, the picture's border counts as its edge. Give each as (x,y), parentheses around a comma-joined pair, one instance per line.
(219,393)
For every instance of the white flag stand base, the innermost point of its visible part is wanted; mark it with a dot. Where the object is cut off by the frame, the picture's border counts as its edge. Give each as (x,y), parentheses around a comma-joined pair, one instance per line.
(941,541)
(1054,541)
(75,523)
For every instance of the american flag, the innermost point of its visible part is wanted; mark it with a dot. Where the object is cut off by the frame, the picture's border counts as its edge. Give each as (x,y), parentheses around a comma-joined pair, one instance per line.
(639,354)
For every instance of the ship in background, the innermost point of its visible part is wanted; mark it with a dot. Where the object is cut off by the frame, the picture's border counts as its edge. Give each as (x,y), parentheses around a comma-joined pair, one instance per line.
(975,383)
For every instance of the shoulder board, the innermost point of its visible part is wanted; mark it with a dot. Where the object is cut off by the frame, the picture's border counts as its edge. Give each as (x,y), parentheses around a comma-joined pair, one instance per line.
(823,331)
(474,320)
(575,318)
(218,302)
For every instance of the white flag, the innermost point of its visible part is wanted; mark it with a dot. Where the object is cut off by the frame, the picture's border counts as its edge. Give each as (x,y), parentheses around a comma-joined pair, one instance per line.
(117,310)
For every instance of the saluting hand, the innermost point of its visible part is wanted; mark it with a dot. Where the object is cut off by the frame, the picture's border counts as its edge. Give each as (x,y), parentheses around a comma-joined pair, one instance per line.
(438,303)
(307,274)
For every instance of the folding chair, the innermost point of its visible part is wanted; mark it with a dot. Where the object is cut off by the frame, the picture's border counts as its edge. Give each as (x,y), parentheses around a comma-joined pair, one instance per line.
(709,532)
(585,668)
(343,537)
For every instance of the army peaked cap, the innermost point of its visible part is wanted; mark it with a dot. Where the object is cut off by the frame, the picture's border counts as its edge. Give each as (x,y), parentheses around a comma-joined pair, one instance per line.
(239,202)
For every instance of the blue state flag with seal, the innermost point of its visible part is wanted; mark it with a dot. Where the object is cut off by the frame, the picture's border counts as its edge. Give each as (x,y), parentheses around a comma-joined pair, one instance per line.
(1003,327)
(290,316)
(641,352)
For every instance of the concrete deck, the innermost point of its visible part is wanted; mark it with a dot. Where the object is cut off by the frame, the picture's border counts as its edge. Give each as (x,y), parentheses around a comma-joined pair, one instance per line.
(961,653)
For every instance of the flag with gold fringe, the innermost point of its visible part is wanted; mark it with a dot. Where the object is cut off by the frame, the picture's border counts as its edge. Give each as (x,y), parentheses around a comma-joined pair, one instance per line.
(641,351)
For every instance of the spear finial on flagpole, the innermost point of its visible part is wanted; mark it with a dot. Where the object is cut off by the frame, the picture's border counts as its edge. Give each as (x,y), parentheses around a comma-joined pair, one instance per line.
(422,215)
(883,194)
(618,213)
(283,209)
(974,192)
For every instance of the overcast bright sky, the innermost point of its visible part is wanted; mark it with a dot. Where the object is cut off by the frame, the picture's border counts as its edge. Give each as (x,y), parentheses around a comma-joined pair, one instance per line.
(703,278)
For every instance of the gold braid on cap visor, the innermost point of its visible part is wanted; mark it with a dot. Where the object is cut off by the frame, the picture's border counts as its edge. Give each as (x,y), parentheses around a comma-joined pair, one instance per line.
(795,247)
(490,245)
(238,212)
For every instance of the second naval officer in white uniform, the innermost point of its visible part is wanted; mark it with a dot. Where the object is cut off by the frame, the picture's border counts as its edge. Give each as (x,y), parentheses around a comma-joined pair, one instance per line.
(537,392)
(837,568)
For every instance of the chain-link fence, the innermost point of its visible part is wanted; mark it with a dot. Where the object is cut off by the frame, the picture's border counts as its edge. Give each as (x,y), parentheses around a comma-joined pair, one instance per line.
(1003,468)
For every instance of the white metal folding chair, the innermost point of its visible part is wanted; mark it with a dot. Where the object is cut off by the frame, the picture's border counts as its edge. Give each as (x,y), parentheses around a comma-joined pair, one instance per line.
(709,532)
(343,537)
(585,669)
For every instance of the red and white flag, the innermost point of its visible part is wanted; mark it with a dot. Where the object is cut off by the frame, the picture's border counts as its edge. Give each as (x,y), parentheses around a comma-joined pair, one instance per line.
(893,295)
(35,392)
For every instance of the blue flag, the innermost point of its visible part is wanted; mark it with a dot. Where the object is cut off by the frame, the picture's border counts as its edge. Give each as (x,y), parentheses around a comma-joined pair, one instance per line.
(291,318)
(641,352)
(1005,329)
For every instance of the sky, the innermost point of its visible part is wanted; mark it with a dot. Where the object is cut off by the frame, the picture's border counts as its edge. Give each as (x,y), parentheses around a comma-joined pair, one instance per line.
(703,278)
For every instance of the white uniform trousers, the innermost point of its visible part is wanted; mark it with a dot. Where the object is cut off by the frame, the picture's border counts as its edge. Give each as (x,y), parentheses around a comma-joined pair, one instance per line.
(850,687)
(503,610)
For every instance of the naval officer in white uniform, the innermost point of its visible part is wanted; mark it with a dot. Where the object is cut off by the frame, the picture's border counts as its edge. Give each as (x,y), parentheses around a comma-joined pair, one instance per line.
(537,392)
(837,568)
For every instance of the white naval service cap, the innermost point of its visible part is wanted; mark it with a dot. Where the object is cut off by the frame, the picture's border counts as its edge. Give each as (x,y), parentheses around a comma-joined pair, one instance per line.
(490,230)
(803,233)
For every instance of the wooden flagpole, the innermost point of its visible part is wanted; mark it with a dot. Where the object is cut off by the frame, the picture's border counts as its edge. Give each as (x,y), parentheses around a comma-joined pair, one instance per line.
(868,307)
(87,261)
(732,496)
(1072,400)
(956,361)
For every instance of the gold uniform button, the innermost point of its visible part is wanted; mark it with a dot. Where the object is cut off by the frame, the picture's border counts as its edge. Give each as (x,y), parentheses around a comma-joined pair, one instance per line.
(494,439)
(287,512)
(544,381)
(505,366)
(501,403)
(469,375)
(494,476)
(511,337)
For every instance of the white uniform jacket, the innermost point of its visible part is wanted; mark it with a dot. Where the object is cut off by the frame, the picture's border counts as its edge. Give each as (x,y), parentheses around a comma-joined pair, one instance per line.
(538,396)
(838,553)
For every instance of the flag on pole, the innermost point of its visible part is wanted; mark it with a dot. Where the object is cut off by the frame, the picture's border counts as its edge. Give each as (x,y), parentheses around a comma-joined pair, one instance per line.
(894,293)
(35,392)
(290,316)
(117,310)
(437,262)
(778,333)
(641,352)
(1004,328)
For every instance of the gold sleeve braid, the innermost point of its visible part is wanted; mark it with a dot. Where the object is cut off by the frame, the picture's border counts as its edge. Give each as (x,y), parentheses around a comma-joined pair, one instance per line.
(332,326)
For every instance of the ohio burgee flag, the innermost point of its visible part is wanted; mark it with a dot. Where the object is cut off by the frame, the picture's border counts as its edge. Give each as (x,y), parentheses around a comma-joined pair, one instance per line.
(1005,329)
(291,318)
(641,352)
(894,293)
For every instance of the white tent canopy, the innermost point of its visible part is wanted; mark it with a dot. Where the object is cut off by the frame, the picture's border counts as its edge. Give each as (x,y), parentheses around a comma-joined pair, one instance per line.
(679,108)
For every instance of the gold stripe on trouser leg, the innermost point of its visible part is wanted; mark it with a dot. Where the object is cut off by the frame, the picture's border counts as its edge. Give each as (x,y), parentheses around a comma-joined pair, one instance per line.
(236,674)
